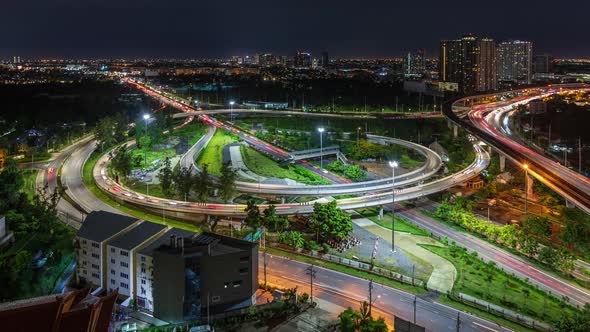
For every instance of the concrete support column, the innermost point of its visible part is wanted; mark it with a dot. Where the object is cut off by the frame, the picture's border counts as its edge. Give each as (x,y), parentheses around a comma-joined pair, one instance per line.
(569,204)
(529,185)
(282,200)
(455,130)
(502,163)
(380,216)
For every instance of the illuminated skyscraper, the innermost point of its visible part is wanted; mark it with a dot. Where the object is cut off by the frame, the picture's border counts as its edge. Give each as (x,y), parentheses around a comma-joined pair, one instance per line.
(470,62)
(302,59)
(414,63)
(515,61)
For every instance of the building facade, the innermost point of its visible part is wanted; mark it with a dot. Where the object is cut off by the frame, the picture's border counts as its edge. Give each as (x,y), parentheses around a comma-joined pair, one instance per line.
(208,273)
(91,241)
(515,61)
(415,63)
(121,260)
(302,59)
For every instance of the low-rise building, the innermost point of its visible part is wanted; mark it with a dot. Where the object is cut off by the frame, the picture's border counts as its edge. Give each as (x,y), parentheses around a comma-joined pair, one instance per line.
(121,261)
(144,271)
(98,228)
(208,273)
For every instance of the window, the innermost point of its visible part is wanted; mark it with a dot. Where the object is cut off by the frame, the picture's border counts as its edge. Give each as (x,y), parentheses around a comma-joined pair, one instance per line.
(113,250)
(124,275)
(244,270)
(216,298)
(244,259)
(84,272)
(84,252)
(143,270)
(124,285)
(236,284)
(142,291)
(113,261)
(113,281)
(123,264)
(95,256)
(95,245)
(83,241)
(143,258)
(95,275)
(143,281)
(94,266)
(84,263)
(124,253)
(112,272)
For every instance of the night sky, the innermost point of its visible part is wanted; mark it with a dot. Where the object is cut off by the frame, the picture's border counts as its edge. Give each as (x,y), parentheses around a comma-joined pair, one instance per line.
(219,28)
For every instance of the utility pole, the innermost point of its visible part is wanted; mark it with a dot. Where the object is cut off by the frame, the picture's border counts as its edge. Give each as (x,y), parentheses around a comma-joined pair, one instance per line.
(311,272)
(264,258)
(458,321)
(370,296)
(415,299)
(549,143)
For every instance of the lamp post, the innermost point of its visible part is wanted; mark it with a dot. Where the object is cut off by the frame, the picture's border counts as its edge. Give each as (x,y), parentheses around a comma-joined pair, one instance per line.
(358,136)
(321,131)
(393,165)
(146,117)
(231,111)
(526,187)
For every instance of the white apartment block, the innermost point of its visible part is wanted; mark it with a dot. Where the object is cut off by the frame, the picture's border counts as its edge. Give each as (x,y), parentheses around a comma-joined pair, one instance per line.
(120,257)
(97,229)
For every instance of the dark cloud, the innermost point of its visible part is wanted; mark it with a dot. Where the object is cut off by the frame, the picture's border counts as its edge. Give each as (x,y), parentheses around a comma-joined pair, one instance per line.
(196,28)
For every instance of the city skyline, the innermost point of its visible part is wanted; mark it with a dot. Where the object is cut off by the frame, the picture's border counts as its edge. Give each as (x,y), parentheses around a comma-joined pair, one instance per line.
(122,29)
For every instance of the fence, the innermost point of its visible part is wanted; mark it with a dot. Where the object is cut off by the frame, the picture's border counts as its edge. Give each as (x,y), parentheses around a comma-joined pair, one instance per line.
(501,312)
(366,267)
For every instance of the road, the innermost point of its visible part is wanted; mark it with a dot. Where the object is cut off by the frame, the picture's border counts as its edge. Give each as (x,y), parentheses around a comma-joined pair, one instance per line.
(481,122)
(489,252)
(348,291)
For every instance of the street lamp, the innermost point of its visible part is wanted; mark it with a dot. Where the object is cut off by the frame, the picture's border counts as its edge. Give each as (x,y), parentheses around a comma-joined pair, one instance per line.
(146,117)
(231,110)
(526,187)
(321,131)
(393,165)
(358,136)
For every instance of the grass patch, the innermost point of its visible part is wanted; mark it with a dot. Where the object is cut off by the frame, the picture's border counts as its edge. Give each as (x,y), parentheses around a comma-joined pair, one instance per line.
(212,155)
(401,225)
(30,185)
(91,185)
(148,158)
(487,282)
(348,270)
(267,167)
(408,162)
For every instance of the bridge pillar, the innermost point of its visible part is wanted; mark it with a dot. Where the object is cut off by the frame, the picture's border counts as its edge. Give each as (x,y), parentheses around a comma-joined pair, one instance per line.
(455,130)
(282,200)
(569,204)
(380,216)
(502,163)
(529,185)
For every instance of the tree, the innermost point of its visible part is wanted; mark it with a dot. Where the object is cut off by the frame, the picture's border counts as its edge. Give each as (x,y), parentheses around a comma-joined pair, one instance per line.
(355,173)
(104,133)
(165,177)
(272,220)
(227,182)
(123,161)
(328,220)
(253,217)
(578,322)
(202,184)
(183,181)
(349,320)
(11,184)
(145,142)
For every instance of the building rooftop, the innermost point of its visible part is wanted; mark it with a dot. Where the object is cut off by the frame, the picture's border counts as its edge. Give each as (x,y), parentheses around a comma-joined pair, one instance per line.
(101,225)
(137,235)
(208,244)
(165,239)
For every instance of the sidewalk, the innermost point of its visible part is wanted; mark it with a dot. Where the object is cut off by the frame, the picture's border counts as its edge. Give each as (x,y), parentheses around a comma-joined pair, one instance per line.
(443,273)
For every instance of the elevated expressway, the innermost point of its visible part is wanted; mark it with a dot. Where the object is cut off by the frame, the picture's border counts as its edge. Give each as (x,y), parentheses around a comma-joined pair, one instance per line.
(482,120)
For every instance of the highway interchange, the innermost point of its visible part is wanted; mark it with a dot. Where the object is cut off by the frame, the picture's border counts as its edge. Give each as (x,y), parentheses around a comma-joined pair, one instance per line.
(73,159)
